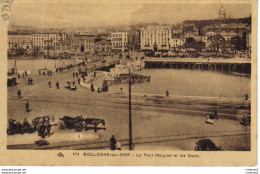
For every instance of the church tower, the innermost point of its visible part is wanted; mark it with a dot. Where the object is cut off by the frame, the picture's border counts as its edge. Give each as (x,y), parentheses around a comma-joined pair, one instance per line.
(222,13)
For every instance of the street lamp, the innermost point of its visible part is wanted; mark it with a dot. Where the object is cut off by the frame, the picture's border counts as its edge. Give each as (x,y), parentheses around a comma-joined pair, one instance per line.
(130,114)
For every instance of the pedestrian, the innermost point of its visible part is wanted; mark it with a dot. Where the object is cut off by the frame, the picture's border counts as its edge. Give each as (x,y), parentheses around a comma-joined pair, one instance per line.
(112,143)
(57,85)
(73,74)
(19,93)
(18,75)
(246,97)
(48,128)
(167,93)
(49,84)
(41,131)
(78,80)
(216,113)
(27,106)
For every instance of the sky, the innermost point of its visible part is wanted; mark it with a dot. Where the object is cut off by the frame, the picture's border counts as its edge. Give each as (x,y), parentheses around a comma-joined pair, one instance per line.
(79,13)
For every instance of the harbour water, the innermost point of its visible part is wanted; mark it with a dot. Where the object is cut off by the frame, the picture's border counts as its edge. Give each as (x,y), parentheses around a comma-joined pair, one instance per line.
(35,64)
(189,83)
(176,81)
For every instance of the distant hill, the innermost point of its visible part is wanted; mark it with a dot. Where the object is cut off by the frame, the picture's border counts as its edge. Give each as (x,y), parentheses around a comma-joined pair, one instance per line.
(201,23)
(13,27)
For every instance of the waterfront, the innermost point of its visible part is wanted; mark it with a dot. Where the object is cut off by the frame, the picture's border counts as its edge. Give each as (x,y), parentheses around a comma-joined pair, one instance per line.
(189,83)
(36,64)
(177,82)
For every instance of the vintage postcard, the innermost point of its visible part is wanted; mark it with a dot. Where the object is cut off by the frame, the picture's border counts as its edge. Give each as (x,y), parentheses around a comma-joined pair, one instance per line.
(128,83)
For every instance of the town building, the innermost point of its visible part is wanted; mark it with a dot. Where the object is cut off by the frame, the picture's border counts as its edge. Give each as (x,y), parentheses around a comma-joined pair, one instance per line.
(83,44)
(119,41)
(103,46)
(248,42)
(19,42)
(177,43)
(62,47)
(155,38)
(190,31)
(228,35)
(43,42)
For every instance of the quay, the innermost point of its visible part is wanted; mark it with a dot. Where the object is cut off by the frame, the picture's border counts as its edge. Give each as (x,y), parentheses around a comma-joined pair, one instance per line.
(242,66)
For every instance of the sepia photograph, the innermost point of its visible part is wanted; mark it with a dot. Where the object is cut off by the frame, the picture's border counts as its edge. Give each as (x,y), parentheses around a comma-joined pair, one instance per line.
(129,76)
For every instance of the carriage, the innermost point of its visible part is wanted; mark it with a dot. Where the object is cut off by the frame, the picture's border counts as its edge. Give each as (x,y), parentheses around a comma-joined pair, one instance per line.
(15,127)
(11,81)
(38,121)
(79,123)
(76,123)
(94,122)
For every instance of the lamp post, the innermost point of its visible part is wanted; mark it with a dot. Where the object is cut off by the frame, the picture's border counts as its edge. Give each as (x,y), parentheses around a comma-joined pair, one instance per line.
(130,114)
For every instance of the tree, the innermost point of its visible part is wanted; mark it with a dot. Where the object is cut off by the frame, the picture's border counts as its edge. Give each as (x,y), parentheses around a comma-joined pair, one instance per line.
(217,42)
(237,43)
(188,42)
(191,43)
(198,45)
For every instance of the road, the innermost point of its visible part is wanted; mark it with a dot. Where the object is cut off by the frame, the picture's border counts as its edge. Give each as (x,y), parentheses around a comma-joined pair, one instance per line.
(154,127)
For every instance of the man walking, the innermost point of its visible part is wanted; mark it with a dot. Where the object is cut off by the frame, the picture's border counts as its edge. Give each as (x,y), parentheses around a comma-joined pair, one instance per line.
(49,84)
(27,106)
(57,85)
(112,143)
(216,113)
(19,93)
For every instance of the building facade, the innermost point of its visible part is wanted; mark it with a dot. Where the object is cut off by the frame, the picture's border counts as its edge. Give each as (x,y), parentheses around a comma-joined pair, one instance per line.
(155,38)
(63,47)
(103,46)
(177,43)
(119,41)
(43,42)
(190,31)
(19,42)
(83,44)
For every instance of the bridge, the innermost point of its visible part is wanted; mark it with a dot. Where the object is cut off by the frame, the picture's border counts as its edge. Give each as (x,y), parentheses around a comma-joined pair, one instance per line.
(102,66)
(236,65)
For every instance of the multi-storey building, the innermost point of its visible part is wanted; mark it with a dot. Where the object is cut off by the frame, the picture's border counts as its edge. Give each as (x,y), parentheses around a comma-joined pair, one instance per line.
(228,35)
(190,31)
(119,41)
(177,43)
(43,42)
(83,44)
(155,38)
(19,41)
(248,42)
(63,46)
(103,46)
